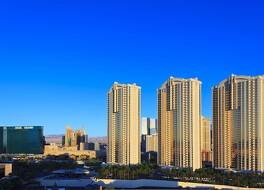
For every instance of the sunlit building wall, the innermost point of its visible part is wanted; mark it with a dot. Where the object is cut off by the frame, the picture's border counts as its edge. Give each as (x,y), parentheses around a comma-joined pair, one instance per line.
(179,120)
(124,107)
(238,123)
(206,152)
(152,143)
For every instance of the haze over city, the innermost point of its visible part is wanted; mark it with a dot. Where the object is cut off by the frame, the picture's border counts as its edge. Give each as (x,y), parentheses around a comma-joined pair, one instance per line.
(58,60)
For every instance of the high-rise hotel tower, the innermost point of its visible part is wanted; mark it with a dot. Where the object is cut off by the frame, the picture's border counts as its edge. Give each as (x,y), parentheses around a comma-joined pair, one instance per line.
(206,140)
(124,107)
(238,123)
(179,120)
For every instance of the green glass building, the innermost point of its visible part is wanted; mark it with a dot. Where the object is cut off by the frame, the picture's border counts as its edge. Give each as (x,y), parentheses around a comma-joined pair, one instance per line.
(21,140)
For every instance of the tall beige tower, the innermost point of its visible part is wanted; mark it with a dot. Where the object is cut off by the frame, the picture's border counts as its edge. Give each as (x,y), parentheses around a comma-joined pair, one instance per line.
(152,143)
(238,123)
(179,120)
(206,140)
(124,106)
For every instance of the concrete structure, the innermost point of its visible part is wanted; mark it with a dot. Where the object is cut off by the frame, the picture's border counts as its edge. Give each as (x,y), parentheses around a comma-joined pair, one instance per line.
(152,143)
(238,123)
(124,107)
(136,184)
(7,167)
(160,184)
(77,178)
(148,126)
(206,151)
(179,120)
(56,150)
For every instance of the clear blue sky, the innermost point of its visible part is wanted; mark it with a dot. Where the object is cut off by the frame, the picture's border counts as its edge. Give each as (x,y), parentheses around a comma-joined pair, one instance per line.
(59,58)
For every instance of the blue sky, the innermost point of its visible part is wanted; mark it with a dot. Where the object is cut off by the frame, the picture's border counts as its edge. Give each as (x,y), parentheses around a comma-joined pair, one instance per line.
(59,58)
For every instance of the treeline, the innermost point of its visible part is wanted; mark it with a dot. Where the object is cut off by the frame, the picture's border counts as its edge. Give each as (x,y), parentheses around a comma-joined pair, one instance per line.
(214,176)
(30,170)
(127,172)
(205,175)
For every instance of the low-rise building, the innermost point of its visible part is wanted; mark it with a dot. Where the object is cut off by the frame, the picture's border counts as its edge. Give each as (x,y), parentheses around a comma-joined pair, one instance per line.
(56,150)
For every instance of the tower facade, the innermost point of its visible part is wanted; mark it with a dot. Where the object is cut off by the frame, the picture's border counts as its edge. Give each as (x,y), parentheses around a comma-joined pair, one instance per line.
(179,120)
(124,107)
(206,140)
(238,123)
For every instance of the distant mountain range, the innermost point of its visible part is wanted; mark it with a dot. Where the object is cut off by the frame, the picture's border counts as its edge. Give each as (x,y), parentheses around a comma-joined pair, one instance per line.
(58,139)
(98,139)
(53,139)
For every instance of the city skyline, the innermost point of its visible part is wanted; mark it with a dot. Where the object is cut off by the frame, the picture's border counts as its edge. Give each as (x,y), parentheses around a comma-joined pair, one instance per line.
(131,94)
(59,60)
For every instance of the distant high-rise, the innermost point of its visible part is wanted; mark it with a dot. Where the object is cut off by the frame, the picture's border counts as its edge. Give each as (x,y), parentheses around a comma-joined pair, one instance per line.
(68,137)
(179,120)
(152,143)
(148,126)
(21,140)
(74,138)
(206,140)
(124,107)
(238,123)
(93,146)
(148,134)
